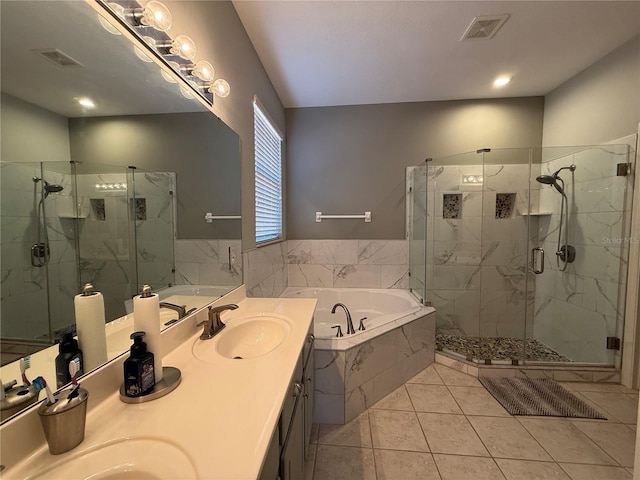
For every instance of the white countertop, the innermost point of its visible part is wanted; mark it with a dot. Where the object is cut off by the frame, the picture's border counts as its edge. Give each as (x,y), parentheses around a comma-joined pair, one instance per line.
(222,416)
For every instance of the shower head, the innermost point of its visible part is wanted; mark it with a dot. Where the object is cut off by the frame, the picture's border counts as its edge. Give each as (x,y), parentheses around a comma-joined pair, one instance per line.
(48,187)
(551,180)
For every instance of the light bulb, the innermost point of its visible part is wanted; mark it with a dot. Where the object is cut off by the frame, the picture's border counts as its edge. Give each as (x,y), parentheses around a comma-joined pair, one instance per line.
(203,70)
(155,14)
(86,102)
(141,55)
(186,93)
(167,75)
(184,47)
(221,88)
(108,26)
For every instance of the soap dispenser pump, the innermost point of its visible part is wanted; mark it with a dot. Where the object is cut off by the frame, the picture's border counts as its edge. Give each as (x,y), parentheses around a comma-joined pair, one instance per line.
(139,376)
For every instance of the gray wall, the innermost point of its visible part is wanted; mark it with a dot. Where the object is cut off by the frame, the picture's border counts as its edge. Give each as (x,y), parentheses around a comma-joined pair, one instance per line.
(221,38)
(344,160)
(31,133)
(200,148)
(598,105)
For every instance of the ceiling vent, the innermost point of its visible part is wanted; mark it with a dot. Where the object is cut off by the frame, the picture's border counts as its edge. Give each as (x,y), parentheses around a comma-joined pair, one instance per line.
(484,27)
(56,56)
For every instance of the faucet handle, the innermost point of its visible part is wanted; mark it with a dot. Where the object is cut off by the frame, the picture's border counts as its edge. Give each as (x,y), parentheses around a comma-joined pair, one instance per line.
(361,326)
(339,332)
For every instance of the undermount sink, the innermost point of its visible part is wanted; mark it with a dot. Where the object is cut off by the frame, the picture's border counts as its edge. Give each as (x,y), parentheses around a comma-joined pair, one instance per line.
(132,458)
(245,337)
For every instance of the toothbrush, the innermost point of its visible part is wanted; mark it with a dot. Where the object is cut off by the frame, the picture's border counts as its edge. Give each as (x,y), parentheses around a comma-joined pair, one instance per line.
(25,363)
(74,368)
(39,383)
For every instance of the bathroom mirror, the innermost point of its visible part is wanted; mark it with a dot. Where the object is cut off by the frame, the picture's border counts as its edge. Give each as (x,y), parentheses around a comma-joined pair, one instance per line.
(54,55)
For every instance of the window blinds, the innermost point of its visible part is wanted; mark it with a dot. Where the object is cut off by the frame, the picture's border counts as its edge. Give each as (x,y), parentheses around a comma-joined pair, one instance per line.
(268,162)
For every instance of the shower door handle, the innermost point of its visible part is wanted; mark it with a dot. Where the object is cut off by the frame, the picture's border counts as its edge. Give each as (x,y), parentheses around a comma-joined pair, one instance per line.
(534,263)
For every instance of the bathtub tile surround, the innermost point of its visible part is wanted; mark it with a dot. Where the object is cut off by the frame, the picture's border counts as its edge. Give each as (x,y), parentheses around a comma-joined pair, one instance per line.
(487,443)
(348,263)
(265,270)
(372,370)
(206,262)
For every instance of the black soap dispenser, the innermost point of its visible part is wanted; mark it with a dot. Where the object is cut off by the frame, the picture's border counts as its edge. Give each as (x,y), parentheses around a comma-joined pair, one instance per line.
(139,377)
(69,352)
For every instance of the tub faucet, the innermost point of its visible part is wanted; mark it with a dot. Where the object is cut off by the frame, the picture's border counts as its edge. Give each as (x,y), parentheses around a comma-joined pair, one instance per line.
(181,309)
(214,325)
(350,328)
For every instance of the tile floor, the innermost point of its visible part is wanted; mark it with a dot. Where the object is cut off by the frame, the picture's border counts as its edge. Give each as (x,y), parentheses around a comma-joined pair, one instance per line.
(443,425)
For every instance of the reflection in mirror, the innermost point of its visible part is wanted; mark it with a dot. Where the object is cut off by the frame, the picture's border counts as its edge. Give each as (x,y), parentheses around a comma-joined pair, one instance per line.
(74,211)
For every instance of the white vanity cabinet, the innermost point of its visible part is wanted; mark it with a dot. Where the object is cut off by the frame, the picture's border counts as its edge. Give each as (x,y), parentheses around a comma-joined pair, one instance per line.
(296,417)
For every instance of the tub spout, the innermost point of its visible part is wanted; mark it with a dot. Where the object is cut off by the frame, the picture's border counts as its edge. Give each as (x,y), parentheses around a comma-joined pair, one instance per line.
(350,328)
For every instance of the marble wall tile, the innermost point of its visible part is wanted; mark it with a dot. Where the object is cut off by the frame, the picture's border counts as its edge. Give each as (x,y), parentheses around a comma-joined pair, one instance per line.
(299,251)
(351,276)
(334,252)
(328,408)
(329,372)
(265,270)
(382,252)
(395,276)
(302,275)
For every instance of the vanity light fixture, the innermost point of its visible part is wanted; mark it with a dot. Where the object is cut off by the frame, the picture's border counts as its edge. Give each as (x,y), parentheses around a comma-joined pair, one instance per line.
(472,179)
(141,55)
(501,81)
(111,186)
(177,53)
(108,26)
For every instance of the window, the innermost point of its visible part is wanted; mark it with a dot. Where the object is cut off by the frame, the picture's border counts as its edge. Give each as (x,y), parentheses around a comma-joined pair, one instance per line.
(268,158)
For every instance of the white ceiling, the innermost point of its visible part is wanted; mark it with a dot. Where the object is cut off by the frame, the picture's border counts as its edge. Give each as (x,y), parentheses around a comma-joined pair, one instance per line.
(321,53)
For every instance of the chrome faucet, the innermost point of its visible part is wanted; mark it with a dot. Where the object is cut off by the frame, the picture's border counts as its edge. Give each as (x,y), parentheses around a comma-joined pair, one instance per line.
(350,328)
(214,325)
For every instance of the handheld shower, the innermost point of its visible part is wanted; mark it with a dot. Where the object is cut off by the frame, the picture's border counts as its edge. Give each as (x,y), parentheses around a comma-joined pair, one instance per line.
(40,251)
(564,252)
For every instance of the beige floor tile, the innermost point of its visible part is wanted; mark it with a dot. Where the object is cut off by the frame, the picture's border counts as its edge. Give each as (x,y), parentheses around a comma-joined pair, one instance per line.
(623,406)
(530,470)
(609,418)
(356,433)
(451,434)
(396,430)
(507,438)
(397,465)
(427,376)
(396,400)
(432,398)
(344,463)
(453,377)
(595,472)
(477,401)
(564,442)
(614,438)
(457,467)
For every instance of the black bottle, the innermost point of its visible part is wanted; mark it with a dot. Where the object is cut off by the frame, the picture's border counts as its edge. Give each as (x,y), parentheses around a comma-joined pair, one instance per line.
(69,352)
(139,377)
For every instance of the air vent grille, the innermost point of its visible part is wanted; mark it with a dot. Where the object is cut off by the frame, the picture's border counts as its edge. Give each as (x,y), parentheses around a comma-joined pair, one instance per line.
(59,58)
(484,27)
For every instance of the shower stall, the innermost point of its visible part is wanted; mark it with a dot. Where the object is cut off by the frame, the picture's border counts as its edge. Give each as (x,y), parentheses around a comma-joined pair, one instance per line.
(523,252)
(65,224)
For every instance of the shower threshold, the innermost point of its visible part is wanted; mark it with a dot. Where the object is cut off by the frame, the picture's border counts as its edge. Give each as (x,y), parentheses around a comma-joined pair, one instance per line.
(497,350)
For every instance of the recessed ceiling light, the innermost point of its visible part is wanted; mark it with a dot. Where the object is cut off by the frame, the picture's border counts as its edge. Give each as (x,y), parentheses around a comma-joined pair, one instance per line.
(86,102)
(501,81)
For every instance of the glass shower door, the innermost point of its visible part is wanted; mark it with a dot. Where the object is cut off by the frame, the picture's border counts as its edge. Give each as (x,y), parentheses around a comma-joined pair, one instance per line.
(417,231)
(582,224)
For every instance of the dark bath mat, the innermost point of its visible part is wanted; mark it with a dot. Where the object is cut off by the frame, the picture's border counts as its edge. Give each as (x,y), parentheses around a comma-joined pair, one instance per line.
(544,396)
